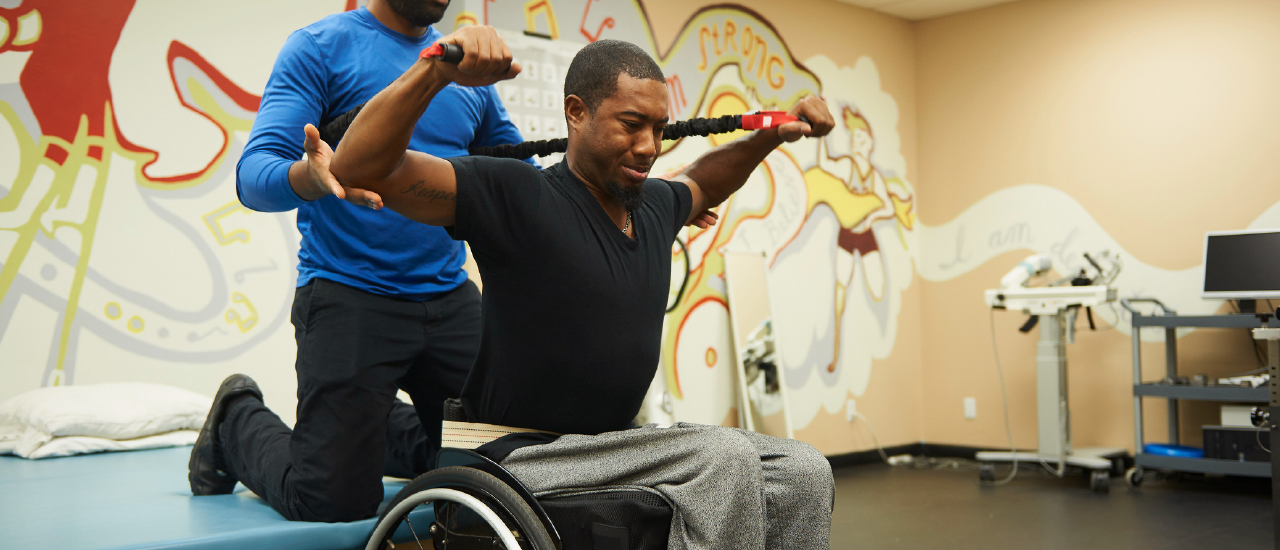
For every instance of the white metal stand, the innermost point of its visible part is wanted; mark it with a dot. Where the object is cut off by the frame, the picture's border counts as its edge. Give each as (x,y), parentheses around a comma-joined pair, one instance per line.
(1052,413)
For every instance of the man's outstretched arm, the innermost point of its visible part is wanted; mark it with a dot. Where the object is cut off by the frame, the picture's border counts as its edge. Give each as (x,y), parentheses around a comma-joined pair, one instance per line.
(720,172)
(374,152)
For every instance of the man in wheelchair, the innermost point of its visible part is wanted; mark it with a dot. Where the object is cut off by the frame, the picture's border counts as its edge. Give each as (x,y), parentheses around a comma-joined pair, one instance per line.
(576,262)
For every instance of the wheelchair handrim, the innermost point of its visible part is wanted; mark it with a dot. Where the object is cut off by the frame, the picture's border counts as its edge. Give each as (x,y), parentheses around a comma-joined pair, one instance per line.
(452,495)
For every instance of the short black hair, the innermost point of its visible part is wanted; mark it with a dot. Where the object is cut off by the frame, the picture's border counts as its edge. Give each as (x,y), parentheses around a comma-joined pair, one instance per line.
(593,74)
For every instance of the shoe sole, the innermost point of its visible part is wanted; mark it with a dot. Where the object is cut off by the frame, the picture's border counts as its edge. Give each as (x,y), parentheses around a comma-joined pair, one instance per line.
(197,464)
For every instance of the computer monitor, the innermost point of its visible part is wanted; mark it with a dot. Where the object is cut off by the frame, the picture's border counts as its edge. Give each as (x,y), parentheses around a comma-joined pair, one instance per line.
(1242,265)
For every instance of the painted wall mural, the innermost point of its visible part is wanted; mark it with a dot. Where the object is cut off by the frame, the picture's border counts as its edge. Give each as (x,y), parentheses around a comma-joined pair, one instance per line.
(119,138)
(144,246)
(1046,220)
(834,217)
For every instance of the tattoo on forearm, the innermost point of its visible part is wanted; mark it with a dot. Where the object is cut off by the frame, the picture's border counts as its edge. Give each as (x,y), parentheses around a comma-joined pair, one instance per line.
(433,195)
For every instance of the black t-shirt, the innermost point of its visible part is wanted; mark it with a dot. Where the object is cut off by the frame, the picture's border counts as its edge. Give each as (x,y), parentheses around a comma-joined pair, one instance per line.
(573,307)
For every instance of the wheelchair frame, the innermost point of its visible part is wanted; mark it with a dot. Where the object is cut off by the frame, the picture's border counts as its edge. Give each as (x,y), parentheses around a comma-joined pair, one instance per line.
(533,527)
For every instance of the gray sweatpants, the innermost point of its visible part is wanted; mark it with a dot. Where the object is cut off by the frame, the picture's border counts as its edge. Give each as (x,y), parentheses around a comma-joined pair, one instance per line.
(730,488)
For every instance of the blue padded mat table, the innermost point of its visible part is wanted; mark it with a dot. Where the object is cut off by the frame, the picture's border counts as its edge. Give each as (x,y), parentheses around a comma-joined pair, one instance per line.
(141,499)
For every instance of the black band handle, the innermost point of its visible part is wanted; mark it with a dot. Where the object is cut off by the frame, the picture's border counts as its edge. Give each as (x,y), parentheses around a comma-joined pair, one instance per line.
(452,53)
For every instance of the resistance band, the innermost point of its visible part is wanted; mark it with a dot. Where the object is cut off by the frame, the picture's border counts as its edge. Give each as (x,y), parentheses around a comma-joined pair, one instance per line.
(332,131)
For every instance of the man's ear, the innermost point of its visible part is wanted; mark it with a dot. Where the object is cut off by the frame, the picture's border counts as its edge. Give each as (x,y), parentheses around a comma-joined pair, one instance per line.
(576,112)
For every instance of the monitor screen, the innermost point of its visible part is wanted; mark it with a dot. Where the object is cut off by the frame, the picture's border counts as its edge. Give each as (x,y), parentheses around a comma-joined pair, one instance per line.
(1242,264)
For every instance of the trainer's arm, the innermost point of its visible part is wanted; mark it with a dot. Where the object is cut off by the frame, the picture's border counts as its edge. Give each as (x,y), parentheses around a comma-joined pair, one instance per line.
(269,176)
(374,152)
(720,172)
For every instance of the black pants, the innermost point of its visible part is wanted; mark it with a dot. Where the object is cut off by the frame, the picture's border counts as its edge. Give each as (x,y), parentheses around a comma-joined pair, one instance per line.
(355,350)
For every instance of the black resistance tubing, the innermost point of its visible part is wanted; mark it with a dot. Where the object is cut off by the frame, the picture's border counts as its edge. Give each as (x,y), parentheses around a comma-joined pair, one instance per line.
(675,130)
(685,281)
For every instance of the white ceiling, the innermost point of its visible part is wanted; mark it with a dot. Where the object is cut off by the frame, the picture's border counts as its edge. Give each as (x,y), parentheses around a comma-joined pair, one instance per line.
(916,10)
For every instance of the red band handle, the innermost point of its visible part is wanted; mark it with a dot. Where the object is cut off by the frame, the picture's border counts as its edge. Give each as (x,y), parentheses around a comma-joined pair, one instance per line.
(434,50)
(449,53)
(765,120)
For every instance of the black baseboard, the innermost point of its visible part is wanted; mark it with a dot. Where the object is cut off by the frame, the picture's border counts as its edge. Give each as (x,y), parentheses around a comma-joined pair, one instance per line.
(938,450)
(932,450)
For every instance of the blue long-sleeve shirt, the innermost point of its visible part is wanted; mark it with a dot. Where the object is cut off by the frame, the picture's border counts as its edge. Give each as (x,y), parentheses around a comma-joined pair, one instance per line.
(324,70)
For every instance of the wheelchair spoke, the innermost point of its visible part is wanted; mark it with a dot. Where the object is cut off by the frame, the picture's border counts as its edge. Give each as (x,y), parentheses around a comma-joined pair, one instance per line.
(415,533)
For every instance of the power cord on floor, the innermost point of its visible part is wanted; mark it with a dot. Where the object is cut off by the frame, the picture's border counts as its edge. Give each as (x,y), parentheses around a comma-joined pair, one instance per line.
(1061,471)
(1004,396)
(883,456)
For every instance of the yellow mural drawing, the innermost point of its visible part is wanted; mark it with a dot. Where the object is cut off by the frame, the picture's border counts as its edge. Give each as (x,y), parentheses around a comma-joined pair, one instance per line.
(857,202)
(213,220)
(30,26)
(531,10)
(465,18)
(711,265)
(243,322)
(80,176)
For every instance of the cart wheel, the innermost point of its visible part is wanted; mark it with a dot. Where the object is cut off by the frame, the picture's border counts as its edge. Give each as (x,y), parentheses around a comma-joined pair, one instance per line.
(1100,481)
(1134,477)
(987,471)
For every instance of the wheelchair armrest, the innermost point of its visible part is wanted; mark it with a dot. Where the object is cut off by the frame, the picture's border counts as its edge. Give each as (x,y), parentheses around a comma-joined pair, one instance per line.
(453,411)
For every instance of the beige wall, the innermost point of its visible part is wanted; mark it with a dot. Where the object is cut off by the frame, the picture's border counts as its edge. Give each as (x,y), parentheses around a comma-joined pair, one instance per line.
(1159,117)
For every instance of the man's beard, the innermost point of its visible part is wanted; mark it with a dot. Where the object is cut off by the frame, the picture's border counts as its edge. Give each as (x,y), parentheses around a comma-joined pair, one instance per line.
(630,197)
(421,13)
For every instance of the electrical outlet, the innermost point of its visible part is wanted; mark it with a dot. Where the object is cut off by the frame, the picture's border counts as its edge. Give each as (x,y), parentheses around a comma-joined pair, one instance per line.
(850,410)
(970,408)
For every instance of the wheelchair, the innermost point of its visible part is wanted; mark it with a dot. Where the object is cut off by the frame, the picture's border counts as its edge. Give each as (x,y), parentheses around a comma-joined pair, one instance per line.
(478,505)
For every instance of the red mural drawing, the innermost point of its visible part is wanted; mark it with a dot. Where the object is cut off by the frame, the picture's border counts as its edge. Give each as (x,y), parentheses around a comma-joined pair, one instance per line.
(677,101)
(66,78)
(608,23)
(243,99)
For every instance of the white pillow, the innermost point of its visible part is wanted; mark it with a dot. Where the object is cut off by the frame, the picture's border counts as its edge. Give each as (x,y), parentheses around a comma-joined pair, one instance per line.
(125,410)
(42,446)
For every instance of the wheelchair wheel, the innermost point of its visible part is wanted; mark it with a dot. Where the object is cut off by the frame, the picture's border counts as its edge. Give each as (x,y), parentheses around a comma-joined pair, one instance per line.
(492,511)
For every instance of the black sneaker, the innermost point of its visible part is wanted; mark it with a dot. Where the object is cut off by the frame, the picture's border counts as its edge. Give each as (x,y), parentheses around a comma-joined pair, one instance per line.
(207,469)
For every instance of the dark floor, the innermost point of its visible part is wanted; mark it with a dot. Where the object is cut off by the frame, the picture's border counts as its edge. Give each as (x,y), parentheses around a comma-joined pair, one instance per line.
(879,506)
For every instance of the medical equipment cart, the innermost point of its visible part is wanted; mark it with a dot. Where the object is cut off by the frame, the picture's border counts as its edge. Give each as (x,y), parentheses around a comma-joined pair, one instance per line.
(1055,309)
(1170,321)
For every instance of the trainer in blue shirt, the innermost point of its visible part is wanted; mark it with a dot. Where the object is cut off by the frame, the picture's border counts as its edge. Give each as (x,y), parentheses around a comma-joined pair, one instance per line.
(382,302)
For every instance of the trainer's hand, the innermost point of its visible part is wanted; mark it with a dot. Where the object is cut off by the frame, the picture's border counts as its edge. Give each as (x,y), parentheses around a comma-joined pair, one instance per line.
(318,154)
(705,219)
(486,57)
(814,109)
